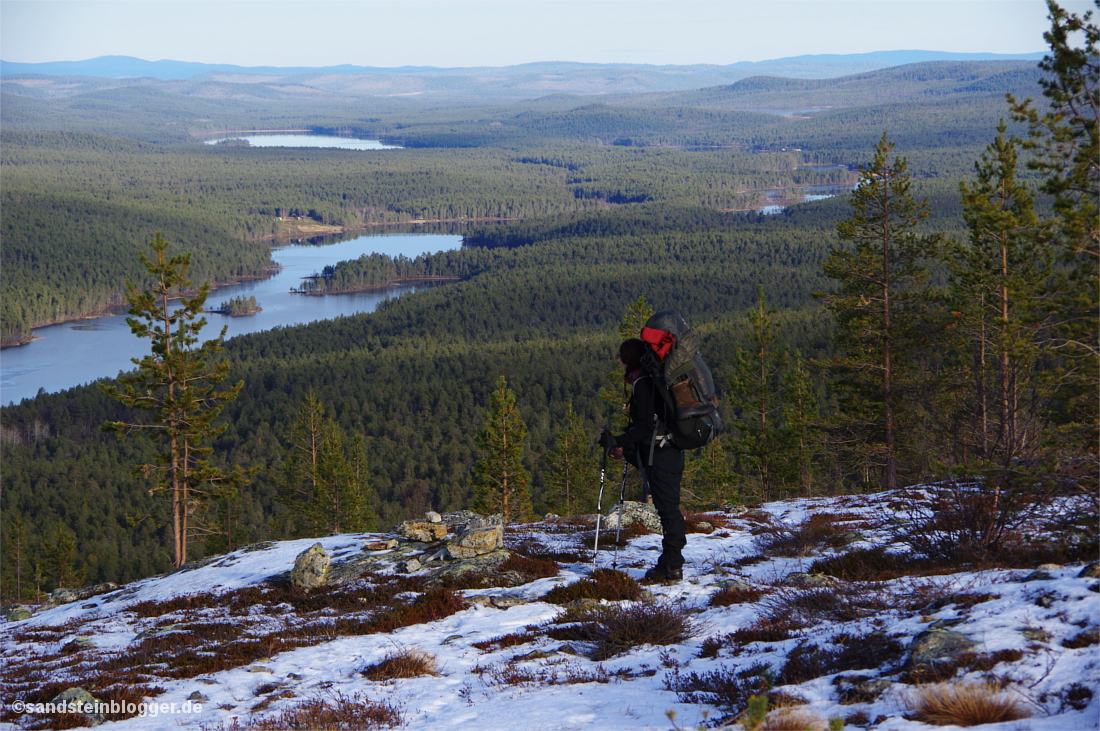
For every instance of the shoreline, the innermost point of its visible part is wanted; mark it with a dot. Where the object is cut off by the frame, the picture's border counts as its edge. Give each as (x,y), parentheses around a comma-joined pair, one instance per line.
(116,310)
(373,287)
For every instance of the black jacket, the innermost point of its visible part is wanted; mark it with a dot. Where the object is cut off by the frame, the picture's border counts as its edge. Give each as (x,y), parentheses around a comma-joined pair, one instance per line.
(646,406)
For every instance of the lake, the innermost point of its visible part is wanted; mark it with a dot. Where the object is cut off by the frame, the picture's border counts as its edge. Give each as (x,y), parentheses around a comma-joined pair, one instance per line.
(304,139)
(74,353)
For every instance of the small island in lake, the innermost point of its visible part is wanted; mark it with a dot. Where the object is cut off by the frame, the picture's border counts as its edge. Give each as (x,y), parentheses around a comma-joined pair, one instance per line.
(238,307)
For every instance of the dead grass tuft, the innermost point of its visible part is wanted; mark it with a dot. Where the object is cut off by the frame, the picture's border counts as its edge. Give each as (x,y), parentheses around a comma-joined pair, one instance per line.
(403,663)
(602,584)
(964,704)
(794,719)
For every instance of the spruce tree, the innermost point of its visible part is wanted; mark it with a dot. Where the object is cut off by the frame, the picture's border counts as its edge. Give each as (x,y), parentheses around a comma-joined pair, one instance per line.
(881,311)
(771,399)
(501,482)
(571,467)
(175,384)
(324,479)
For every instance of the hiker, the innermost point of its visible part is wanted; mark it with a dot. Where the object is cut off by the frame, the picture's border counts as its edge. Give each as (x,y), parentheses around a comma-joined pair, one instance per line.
(660,475)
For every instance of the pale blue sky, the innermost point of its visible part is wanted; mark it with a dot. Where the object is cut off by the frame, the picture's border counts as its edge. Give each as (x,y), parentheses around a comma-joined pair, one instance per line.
(506,32)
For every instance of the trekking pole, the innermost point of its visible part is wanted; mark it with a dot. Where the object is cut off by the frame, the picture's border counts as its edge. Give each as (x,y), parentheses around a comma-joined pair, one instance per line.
(619,527)
(599,506)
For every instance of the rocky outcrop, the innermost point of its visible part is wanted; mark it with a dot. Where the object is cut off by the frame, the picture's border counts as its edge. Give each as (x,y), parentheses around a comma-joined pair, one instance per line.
(937,645)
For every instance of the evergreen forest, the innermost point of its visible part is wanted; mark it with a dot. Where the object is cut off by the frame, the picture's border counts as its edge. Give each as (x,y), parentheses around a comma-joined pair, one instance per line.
(580,217)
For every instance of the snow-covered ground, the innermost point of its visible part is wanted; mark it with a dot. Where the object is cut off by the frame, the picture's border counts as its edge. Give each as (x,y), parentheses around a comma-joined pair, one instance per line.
(482,688)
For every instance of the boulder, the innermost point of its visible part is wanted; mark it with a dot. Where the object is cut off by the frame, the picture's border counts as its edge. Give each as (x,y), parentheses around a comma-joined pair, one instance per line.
(937,645)
(422,531)
(476,539)
(800,580)
(310,567)
(78,699)
(1092,571)
(433,517)
(17,612)
(633,512)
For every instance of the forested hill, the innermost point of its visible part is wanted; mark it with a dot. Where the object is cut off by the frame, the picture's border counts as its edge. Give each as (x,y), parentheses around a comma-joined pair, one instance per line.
(80,165)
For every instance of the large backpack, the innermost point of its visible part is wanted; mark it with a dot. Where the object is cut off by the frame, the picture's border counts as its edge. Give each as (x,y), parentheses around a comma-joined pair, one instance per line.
(673,358)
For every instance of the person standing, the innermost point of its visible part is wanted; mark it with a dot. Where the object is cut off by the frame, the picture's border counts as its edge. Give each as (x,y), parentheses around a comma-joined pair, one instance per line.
(646,443)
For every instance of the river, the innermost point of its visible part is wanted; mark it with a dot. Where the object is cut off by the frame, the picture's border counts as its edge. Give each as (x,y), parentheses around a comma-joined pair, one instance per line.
(74,353)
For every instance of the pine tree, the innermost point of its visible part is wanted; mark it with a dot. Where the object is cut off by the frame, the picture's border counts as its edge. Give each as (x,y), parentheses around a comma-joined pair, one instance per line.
(882,317)
(572,480)
(322,485)
(501,482)
(175,383)
(1065,141)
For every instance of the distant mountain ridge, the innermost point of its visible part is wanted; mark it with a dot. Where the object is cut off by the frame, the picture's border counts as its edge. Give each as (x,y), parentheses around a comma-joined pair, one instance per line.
(809,66)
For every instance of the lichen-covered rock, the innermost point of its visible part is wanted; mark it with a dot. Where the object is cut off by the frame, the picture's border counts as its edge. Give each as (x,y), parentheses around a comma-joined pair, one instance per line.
(61,596)
(422,531)
(17,612)
(800,580)
(310,567)
(80,701)
(633,512)
(937,645)
(476,541)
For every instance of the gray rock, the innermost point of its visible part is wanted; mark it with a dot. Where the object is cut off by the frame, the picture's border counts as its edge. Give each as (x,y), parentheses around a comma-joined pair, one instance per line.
(633,512)
(78,644)
(1092,571)
(1038,576)
(476,540)
(459,519)
(78,698)
(17,613)
(1035,634)
(935,645)
(197,696)
(61,596)
(91,591)
(433,517)
(154,631)
(409,566)
(801,580)
(310,567)
(736,584)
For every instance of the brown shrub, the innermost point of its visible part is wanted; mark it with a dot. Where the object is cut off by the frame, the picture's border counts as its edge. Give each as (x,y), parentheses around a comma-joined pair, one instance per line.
(320,714)
(605,584)
(735,595)
(767,629)
(610,539)
(801,540)
(966,661)
(842,603)
(403,663)
(875,564)
(850,652)
(725,689)
(614,629)
(530,568)
(964,704)
(1088,638)
(506,641)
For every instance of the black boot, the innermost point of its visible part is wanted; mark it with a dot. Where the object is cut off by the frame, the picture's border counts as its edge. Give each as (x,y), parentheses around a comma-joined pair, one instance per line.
(661,572)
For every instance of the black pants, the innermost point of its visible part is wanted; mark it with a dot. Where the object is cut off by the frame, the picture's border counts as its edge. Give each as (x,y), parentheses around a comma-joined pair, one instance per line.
(663,479)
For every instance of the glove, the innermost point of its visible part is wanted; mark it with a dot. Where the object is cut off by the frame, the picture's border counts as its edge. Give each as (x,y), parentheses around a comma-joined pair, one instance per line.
(607,440)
